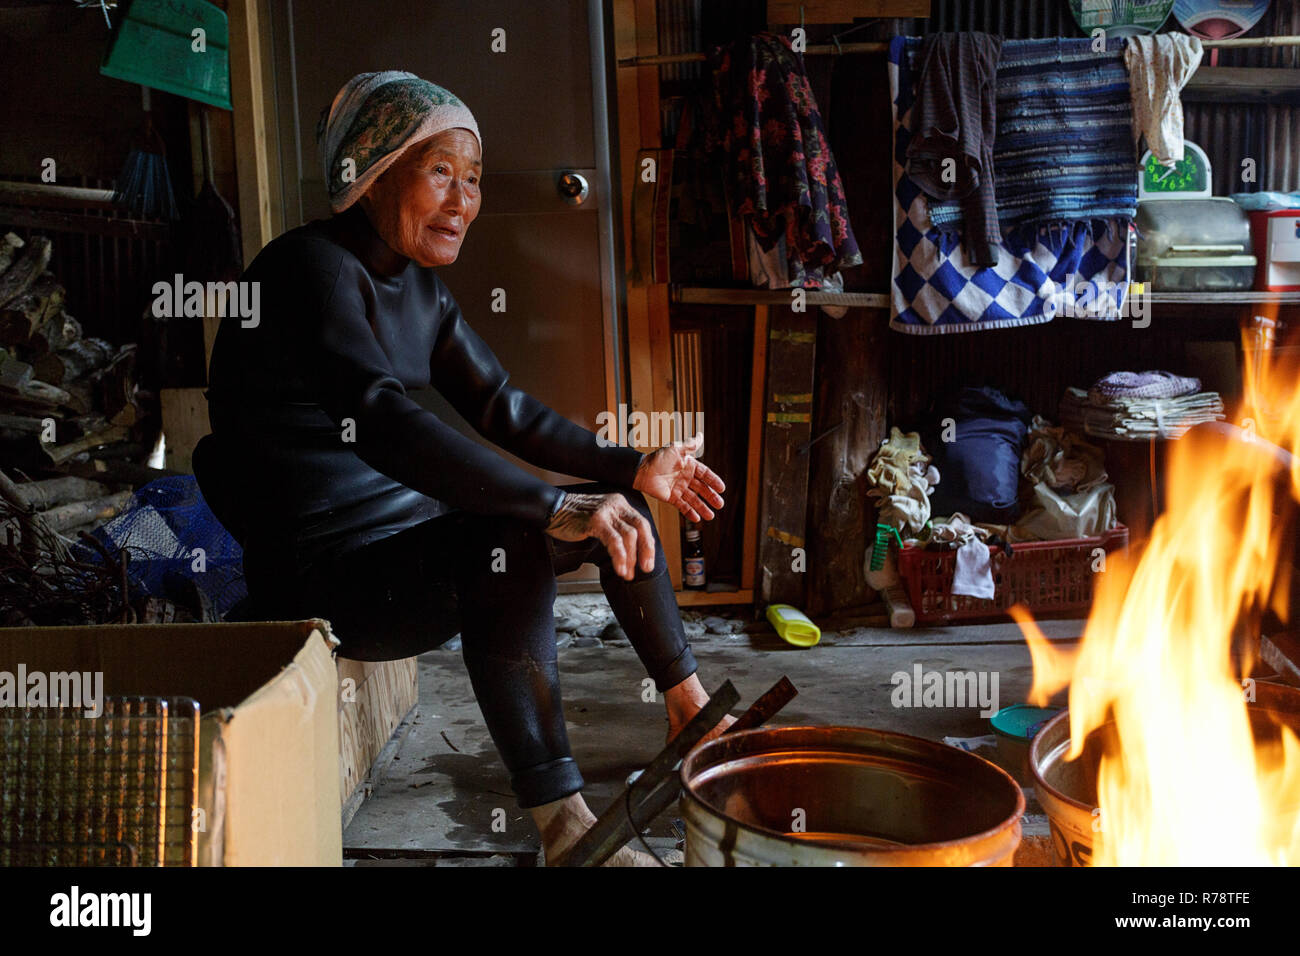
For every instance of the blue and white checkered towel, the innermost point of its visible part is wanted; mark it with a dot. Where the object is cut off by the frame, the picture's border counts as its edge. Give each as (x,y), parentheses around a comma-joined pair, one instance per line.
(1077,267)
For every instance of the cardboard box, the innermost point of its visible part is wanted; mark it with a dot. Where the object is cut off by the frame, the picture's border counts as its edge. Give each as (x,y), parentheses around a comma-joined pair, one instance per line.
(374,699)
(269,734)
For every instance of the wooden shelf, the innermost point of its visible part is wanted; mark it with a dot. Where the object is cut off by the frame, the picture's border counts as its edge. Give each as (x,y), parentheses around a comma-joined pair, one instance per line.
(694,598)
(699,295)
(1247,297)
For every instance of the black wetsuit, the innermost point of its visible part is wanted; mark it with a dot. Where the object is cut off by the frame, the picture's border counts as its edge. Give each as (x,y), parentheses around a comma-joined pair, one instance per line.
(355,504)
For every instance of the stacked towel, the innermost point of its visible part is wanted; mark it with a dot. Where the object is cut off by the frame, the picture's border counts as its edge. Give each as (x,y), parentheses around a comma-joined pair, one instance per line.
(1139,418)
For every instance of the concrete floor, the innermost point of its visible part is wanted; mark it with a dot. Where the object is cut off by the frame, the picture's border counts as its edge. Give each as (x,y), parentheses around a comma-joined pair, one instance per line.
(445,797)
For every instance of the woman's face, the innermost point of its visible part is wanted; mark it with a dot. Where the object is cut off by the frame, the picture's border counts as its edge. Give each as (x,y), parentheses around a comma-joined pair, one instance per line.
(423,204)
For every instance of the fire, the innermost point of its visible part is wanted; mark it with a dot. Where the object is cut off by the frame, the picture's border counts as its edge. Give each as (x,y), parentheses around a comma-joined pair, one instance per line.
(1182,780)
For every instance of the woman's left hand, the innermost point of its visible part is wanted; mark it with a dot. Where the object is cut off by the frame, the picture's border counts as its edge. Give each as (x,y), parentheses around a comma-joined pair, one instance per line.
(673,474)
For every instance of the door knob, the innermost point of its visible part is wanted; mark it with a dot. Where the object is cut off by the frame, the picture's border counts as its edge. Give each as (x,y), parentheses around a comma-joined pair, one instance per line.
(573,187)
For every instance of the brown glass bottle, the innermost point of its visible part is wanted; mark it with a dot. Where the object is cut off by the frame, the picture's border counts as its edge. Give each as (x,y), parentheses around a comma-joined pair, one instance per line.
(693,560)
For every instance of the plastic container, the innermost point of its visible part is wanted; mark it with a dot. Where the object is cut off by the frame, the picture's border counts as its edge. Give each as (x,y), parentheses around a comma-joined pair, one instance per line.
(1015,727)
(793,625)
(1048,577)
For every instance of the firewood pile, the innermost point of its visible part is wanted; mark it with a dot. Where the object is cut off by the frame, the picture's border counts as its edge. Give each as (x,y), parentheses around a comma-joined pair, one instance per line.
(69,429)
(61,393)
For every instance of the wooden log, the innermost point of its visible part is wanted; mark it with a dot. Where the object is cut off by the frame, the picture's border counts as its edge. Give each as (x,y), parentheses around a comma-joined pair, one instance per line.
(27,267)
(115,387)
(14,375)
(115,472)
(102,436)
(57,330)
(73,362)
(50,492)
(80,512)
(21,424)
(27,312)
(10,243)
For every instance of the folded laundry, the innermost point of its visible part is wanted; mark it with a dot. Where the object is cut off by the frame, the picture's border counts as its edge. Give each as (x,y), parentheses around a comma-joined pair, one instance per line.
(1072,497)
(1158,66)
(954,123)
(1136,419)
(1154,384)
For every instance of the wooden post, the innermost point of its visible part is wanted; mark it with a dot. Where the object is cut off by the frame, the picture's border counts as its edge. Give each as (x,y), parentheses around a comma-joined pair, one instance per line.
(251,91)
(648,331)
(754,460)
(792,340)
(852,394)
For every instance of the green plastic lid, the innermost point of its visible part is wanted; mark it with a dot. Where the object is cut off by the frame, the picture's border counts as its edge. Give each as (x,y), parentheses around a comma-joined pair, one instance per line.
(1022,721)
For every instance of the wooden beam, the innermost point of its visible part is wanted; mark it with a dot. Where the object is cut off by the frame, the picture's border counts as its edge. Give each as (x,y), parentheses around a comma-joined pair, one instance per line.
(707,296)
(1243,84)
(792,338)
(754,459)
(842,11)
(249,82)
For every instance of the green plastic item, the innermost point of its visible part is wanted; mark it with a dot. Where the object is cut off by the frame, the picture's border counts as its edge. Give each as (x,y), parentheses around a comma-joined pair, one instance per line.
(154,42)
(880,550)
(1022,721)
(793,625)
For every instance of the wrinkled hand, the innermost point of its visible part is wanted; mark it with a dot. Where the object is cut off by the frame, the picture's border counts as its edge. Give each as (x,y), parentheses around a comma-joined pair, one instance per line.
(623,530)
(673,474)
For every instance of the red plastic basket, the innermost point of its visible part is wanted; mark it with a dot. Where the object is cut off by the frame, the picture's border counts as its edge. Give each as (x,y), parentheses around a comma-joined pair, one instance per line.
(1046,576)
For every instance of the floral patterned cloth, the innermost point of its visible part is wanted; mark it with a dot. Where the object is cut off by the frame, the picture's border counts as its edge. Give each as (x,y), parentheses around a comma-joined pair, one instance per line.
(770,135)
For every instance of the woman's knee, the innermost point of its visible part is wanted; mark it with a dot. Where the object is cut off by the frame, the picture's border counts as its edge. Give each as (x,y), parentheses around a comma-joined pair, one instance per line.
(505,551)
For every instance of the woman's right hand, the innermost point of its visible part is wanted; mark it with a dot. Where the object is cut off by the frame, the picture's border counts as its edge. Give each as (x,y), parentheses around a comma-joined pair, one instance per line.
(623,530)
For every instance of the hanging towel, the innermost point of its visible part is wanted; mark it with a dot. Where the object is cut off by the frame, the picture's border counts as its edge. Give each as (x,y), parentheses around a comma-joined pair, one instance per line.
(769,133)
(1040,268)
(1064,148)
(1158,66)
(953,122)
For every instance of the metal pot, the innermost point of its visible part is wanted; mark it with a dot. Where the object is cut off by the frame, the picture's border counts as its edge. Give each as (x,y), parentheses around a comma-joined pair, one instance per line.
(1067,790)
(845,796)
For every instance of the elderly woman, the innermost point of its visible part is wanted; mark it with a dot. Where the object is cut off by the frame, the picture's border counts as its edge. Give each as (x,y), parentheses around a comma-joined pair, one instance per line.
(355,504)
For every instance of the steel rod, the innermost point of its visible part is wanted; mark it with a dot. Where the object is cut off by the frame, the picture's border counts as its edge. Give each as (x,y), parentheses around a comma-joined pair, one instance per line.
(821,49)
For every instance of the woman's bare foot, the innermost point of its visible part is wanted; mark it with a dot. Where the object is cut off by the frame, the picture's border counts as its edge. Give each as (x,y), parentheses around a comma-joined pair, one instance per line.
(563,822)
(684,701)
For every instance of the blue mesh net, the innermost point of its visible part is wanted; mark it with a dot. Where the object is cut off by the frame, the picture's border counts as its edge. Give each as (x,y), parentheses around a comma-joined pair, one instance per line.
(175,544)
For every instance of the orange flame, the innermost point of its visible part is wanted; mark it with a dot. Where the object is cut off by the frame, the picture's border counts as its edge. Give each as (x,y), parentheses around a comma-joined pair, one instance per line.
(1163,653)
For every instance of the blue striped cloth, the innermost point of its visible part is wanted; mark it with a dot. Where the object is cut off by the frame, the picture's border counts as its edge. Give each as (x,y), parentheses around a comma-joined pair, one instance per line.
(1075,264)
(1064,149)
